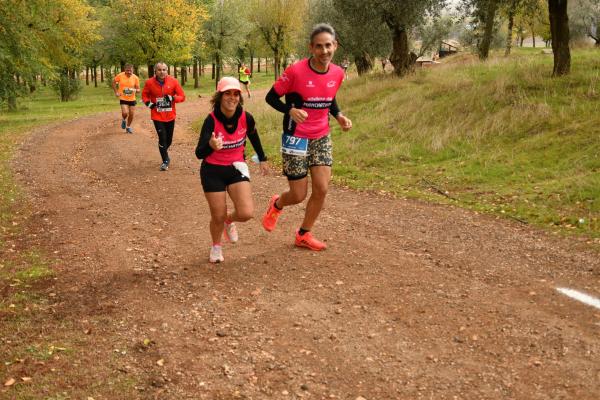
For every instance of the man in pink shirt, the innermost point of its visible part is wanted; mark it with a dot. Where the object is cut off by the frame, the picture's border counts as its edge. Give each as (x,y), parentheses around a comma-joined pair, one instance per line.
(309,87)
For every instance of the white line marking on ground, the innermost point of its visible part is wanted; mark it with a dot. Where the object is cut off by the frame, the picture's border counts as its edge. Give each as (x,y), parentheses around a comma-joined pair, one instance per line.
(582,297)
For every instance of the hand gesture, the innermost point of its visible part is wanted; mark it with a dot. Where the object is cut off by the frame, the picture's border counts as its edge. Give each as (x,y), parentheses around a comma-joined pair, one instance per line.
(344,122)
(264,167)
(216,142)
(298,115)
(117,94)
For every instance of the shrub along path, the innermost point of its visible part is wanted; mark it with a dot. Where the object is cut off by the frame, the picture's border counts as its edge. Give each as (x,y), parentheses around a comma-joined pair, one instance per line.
(410,299)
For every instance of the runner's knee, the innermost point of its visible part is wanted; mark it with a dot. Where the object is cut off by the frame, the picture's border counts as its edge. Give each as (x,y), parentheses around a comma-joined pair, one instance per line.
(319,190)
(218,218)
(296,196)
(245,214)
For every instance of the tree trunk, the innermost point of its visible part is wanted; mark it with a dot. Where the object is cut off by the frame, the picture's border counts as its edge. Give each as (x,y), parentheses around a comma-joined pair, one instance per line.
(276,63)
(364,63)
(174,71)
(400,57)
(251,64)
(285,62)
(533,35)
(511,23)
(95,75)
(101,74)
(486,41)
(150,70)
(87,76)
(12,102)
(218,69)
(213,71)
(196,74)
(559,28)
(183,76)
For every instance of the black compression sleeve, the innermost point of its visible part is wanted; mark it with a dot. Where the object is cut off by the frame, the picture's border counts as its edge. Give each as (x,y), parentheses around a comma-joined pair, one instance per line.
(254,138)
(334,109)
(203,149)
(274,100)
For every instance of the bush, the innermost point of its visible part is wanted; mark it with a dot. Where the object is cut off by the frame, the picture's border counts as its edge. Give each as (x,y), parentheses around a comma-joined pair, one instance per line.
(66,84)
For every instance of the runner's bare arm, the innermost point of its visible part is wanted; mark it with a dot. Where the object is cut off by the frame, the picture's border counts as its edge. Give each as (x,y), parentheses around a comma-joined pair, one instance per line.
(345,122)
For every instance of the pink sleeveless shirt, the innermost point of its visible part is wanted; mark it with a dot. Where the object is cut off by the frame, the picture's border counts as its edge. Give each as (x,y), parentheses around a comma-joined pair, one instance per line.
(233,143)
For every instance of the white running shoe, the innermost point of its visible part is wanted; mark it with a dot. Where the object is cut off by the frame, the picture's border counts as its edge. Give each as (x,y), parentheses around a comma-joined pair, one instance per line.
(216,254)
(231,232)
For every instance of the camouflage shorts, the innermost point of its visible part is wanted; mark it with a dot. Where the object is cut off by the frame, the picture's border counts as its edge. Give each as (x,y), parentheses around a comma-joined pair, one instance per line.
(320,153)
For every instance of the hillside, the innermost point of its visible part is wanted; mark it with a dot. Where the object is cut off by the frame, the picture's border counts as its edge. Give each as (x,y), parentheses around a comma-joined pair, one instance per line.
(502,137)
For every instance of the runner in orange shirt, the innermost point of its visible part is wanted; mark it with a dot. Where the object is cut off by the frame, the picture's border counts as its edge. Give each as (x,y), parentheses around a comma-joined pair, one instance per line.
(125,86)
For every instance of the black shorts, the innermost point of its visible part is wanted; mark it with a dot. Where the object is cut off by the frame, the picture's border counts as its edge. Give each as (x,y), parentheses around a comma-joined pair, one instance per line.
(130,103)
(245,83)
(216,178)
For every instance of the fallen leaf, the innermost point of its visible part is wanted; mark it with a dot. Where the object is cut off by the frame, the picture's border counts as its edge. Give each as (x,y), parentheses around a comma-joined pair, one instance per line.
(26,379)
(160,362)
(10,382)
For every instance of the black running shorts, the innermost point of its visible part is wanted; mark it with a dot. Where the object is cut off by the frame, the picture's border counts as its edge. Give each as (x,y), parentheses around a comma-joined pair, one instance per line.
(216,178)
(131,103)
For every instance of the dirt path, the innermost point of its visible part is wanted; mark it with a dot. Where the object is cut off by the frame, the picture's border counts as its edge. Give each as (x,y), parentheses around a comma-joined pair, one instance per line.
(411,300)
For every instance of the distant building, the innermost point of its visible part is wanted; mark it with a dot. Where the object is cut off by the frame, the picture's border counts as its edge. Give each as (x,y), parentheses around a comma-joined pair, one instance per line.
(448,47)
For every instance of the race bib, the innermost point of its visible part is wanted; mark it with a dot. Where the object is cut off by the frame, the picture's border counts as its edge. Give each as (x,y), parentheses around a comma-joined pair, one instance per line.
(163,104)
(127,91)
(294,145)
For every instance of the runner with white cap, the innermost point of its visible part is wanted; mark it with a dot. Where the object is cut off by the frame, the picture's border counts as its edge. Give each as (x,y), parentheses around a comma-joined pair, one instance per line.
(224,170)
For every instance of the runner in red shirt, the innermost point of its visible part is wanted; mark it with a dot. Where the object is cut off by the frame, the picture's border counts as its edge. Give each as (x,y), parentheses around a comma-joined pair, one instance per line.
(309,87)
(160,94)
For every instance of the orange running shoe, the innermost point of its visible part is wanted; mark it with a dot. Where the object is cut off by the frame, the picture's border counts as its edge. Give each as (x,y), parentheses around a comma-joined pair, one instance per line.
(307,240)
(270,218)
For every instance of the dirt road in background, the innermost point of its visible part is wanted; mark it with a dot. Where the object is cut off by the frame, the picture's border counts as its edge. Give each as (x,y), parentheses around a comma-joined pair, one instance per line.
(410,300)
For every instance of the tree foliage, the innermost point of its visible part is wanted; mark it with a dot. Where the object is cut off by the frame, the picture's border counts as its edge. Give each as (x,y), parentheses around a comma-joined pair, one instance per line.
(531,20)
(400,17)
(358,45)
(225,31)
(433,32)
(38,37)
(584,19)
(279,23)
(147,31)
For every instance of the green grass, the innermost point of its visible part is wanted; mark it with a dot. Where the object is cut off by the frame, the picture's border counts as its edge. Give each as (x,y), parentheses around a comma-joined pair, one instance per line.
(502,137)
